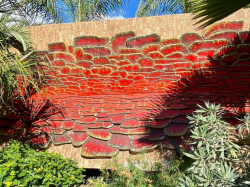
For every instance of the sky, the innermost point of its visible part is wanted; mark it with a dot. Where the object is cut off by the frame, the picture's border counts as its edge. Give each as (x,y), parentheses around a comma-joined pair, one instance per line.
(129,12)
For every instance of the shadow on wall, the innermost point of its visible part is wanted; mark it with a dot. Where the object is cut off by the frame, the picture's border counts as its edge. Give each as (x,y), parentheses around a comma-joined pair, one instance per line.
(220,76)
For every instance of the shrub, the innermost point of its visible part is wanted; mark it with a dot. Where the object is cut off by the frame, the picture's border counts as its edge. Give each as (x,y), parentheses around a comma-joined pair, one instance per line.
(22,166)
(213,150)
(140,173)
(20,76)
(243,166)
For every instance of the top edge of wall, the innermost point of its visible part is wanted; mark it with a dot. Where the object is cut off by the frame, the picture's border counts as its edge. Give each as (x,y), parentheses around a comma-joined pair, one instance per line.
(111,20)
(167,26)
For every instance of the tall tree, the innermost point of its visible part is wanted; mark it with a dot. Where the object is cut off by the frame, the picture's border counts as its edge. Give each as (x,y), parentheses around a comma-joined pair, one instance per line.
(51,11)
(85,10)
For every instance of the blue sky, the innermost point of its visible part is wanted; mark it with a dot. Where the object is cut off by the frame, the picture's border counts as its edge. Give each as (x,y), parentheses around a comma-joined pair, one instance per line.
(130,11)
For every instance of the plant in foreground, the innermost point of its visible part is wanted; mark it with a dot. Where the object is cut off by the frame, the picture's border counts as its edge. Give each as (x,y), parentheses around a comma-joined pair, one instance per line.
(243,166)
(214,160)
(140,172)
(22,166)
(22,76)
(214,153)
(209,11)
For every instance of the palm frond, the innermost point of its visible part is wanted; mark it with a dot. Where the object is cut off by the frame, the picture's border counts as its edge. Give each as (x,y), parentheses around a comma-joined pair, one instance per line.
(88,10)
(209,11)
(161,7)
(21,76)
(33,11)
(248,6)
(12,27)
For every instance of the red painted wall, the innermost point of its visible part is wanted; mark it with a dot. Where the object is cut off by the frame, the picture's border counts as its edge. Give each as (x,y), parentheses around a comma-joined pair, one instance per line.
(134,92)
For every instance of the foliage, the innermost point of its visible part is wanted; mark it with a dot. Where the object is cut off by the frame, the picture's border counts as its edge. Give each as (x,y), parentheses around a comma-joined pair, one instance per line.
(12,29)
(91,9)
(20,76)
(99,9)
(140,172)
(215,158)
(210,11)
(32,11)
(159,7)
(49,11)
(22,166)
(244,128)
(213,151)
(243,166)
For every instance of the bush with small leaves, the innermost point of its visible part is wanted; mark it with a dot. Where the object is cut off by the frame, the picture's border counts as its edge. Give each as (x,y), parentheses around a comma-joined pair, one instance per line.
(140,172)
(214,151)
(21,165)
(243,166)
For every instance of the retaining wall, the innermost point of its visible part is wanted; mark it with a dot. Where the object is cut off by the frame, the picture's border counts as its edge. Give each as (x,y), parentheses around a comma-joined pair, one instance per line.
(128,94)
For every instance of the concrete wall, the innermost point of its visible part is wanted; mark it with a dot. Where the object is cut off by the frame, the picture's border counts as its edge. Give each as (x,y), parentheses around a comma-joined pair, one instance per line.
(129,94)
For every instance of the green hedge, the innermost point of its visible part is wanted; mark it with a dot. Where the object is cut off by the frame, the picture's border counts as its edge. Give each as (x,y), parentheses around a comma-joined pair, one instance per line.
(21,165)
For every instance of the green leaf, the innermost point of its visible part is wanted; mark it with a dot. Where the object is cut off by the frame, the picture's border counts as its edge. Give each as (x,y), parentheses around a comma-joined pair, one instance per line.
(40,174)
(22,174)
(210,11)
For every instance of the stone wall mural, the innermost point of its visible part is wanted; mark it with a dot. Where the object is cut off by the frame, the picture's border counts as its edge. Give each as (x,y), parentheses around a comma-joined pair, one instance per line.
(133,93)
